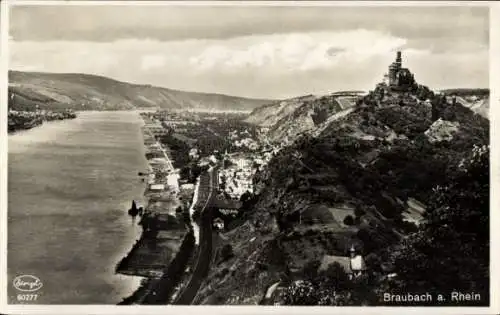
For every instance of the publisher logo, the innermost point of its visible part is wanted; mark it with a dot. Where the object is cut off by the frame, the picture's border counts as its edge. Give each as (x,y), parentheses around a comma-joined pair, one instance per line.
(27,283)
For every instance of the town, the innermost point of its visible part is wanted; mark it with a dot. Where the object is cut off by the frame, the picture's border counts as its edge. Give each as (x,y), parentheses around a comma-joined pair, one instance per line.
(200,174)
(24,119)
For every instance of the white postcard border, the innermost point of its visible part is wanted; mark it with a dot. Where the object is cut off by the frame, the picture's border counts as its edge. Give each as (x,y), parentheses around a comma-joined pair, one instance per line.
(494,64)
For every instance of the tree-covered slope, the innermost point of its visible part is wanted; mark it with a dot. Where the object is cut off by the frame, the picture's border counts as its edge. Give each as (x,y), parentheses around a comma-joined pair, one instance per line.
(370,165)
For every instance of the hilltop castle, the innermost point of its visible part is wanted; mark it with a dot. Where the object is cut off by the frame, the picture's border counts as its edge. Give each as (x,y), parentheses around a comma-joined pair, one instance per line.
(398,77)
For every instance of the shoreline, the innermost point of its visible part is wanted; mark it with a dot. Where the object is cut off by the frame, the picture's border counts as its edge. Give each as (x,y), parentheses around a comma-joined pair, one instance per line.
(152,274)
(38,125)
(135,282)
(34,119)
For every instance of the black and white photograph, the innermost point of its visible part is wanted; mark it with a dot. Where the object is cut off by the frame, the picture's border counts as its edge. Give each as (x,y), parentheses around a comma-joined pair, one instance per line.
(257,154)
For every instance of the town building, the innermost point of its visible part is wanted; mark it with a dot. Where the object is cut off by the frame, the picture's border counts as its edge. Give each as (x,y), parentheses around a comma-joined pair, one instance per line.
(173,180)
(194,154)
(353,265)
(157,187)
(187,187)
(218,223)
(357,264)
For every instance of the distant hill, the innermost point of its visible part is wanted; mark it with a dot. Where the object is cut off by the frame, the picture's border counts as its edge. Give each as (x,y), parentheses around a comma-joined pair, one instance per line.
(268,115)
(91,92)
(467,92)
(478,100)
(288,118)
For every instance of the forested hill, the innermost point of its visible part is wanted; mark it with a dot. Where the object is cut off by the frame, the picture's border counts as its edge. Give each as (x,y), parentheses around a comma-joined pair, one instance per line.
(27,90)
(358,181)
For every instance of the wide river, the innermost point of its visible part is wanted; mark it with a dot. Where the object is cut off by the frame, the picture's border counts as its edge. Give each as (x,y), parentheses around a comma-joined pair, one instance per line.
(70,184)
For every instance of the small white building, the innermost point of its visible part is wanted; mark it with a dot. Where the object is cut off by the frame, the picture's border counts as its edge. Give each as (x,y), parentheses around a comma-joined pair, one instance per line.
(173,181)
(212,159)
(187,186)
(151,178)
(218,223)
(160,160)
(193,153)
(354,264)
(357,264)
(157,187)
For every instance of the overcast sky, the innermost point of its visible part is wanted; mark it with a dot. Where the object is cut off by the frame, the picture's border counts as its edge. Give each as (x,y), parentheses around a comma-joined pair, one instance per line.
(257,51)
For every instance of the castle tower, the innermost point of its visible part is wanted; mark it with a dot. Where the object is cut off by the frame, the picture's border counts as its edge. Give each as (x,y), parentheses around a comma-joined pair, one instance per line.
(394,69)
(398,59)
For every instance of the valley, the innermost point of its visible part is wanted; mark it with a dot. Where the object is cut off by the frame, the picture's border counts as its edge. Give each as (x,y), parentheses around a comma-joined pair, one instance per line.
(296,190)
(296,157)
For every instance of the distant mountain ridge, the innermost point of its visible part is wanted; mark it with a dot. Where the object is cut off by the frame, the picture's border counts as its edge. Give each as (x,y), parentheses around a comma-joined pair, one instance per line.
(92,92)
(477,100)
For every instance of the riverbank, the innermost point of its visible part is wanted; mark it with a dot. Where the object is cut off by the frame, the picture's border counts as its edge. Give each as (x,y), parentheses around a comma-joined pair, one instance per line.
(24,120)
(165,230)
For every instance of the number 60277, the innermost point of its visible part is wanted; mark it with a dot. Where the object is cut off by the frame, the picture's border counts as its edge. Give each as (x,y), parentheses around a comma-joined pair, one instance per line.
(27,297)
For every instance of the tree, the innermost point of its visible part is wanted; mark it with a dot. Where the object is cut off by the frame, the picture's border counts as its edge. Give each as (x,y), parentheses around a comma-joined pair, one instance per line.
(310,270)
(226,252)
(246,196)
(335,276)
(299,293)
(349,220)
(330,287)
(450,252)
(358,211)
(436,108)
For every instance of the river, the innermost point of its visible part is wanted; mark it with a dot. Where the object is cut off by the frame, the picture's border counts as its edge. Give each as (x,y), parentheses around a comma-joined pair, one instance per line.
(70,184)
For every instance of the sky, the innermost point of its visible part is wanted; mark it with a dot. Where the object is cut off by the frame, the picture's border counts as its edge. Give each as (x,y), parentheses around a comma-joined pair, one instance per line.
(253,51)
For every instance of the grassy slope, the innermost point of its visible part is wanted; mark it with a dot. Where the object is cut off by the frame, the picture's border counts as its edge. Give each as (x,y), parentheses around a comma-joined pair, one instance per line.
(60,90)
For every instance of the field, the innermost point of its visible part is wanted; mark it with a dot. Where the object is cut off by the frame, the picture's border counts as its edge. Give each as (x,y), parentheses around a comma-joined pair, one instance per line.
(150,258)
